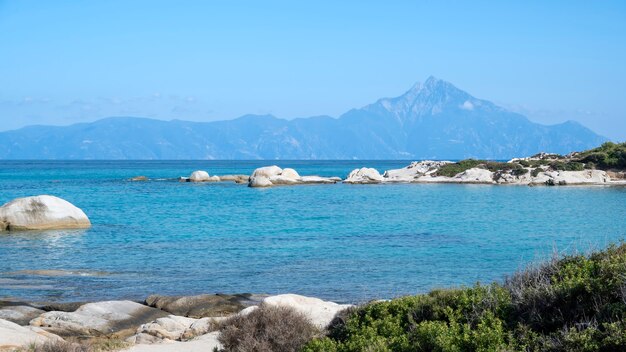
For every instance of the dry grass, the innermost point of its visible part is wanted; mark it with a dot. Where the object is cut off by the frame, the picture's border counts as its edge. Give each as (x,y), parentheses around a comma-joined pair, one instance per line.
(267,329)
(94,345)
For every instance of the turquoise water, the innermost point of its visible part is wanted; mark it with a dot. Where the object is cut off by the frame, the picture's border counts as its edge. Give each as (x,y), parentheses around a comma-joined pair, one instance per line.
(348,243)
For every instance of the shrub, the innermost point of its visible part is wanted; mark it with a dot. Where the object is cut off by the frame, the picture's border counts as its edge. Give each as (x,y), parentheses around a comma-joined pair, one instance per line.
(567,166)
(536,172)
(453,169)
(608,156)
(576,303)
(267,329)
(56,346)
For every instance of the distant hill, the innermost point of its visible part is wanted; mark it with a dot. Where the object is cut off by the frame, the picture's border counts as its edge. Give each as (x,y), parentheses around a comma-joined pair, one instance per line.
(433,120)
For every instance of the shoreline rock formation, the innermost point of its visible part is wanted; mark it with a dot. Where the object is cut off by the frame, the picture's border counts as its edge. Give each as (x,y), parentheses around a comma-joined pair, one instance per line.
(42,212)
(269,176)
(161,323)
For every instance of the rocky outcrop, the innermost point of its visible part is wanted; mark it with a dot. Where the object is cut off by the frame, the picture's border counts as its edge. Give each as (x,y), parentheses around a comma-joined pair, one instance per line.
(414,171)
(173,328)
(364,176)
(203,343)
(202,176)
(320,312)
(201,306)
(234,178)
(14,336)
(41,213)
(273,175)
(19,314)
(97,318)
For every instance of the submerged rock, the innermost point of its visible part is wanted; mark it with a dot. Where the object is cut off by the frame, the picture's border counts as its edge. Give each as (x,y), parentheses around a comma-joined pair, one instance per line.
(139,178)
(97,318)
(41,213)
(364,176)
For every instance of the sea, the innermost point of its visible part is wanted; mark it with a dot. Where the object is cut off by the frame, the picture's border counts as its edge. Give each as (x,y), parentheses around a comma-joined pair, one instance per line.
(346,243)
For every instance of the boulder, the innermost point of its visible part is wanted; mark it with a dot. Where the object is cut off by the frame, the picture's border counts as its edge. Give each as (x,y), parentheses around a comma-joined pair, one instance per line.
(41,213)
(20,314)
(202,176)
(13,336)
(475,175)
(320,312)
(413,171)
(201,306)
(204,343)
(98,318)
(290,173)
(260,181)
(267,171)
(173,328)
(235,178)
(364,176)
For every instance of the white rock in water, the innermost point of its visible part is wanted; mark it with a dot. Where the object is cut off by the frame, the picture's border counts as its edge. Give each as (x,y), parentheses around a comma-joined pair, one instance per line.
(267,171)
(290,173)
(199,176)
(475,175)
(41,213)
(100,317)
(321,313)
(364,175)
(576,177)
(13,336)
(260,181)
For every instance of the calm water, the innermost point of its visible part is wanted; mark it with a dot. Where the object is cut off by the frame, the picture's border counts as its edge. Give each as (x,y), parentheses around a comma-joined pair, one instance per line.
(348,243)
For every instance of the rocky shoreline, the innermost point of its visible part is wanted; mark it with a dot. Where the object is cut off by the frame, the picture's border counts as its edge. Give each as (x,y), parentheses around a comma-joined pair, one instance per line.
(159,323)
(541,169)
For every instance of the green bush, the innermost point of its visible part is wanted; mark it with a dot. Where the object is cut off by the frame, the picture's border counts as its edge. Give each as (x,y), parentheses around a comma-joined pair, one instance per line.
(453,169)
(567,166)
(576,303)
(608,156)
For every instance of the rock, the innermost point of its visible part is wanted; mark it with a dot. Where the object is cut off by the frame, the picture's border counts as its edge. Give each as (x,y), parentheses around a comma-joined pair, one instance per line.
(475,175)
(235,178)
(290,173)
(260,181)
(200,176)
(173,328)
(42,213)
(204,343)
(14,336)
(414,171)
(267,171)
(584,177)
(139,178)
(320,312)
(201,306)
(319,179)
(364,176)
(97,318)
(20,314)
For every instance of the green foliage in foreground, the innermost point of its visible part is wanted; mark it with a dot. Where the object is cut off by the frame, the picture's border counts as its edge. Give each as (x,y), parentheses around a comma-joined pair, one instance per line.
(608,156)
(452,169)
(577,303)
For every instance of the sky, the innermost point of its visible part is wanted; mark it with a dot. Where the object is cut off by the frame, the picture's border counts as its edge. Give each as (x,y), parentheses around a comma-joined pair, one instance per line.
(63,62)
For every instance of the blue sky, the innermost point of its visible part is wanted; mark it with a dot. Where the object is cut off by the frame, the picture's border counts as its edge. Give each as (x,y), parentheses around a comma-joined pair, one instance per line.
(72,61)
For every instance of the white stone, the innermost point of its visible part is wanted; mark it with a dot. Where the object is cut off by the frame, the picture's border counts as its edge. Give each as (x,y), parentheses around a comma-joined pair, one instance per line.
(320,312)
(200,176)
(14,336)
(364,175)
(413,171)
(202,343)
(173,327)
(267,171)
(319,179)
(260,181)
(100,317)
(290,173)
(475,175)
(41,213)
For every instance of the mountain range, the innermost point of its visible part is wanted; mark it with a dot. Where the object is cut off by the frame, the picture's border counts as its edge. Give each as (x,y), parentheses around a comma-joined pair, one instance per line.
(433,120)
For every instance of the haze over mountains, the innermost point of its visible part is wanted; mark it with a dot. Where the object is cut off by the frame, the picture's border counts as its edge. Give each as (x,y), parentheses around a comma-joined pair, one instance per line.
(433,120)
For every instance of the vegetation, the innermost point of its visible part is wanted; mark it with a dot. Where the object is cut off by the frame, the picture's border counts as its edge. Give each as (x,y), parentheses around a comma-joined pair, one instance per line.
(95,345)
(267,329)
(608,156)
(576,303)
(452,169)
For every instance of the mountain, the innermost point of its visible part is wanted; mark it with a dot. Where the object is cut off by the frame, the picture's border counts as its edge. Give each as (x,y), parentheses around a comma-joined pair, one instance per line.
(433,120)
